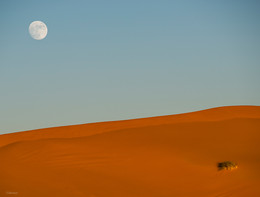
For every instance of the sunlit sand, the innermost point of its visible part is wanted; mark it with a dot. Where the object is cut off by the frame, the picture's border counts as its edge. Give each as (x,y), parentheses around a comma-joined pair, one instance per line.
(172,155)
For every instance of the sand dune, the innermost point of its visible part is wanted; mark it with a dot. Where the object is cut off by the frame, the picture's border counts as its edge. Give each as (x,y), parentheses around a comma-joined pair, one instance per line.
(173,155)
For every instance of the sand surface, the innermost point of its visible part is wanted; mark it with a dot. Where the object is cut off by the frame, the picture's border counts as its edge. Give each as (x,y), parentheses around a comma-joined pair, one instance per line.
(174,155)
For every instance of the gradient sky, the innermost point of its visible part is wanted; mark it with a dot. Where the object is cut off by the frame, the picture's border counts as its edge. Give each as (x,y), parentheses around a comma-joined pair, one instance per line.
(111,60)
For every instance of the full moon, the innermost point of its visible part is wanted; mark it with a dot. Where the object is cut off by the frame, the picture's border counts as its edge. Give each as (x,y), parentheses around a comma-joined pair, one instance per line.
(38,30)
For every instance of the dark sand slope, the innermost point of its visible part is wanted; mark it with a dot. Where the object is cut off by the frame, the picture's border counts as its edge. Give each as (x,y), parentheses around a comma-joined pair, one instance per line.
(161,156)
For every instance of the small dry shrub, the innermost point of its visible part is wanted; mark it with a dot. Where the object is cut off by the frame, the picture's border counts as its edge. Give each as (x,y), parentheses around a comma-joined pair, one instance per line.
(227,165)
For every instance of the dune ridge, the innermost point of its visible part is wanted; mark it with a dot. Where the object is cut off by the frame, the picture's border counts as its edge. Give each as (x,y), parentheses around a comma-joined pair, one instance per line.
(71,131)
(173,155)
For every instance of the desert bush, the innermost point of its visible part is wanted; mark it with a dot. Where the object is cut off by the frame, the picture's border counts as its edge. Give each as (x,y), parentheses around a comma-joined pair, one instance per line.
(227,165)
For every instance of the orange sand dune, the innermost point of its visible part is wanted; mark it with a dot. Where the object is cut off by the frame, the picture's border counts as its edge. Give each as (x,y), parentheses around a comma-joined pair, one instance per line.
(172,155)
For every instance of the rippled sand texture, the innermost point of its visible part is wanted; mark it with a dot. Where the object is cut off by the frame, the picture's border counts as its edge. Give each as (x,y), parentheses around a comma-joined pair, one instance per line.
(174,155)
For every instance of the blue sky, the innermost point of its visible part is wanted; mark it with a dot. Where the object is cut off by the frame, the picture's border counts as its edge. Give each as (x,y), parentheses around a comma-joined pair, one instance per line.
(111,60)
